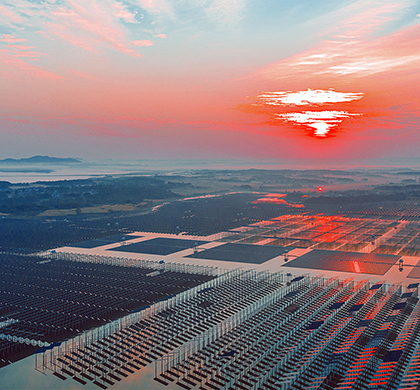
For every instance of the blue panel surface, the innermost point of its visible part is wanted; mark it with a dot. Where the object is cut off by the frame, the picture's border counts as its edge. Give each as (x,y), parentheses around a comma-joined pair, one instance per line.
(159,246)
(355,262)
(242,253)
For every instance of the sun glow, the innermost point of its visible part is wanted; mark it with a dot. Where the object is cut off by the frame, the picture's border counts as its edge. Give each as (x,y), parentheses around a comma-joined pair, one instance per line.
(321,121)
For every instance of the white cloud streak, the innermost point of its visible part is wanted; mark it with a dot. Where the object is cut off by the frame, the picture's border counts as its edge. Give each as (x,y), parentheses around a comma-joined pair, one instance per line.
(309,97)
(357,45)
(370,65)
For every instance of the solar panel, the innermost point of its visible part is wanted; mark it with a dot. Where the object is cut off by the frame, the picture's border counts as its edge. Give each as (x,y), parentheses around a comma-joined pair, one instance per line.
(336,305)
(415,274)
(367,263)
(393,356)
(363,323)
(241,253)
(103,241)
(399,306)
(159,246)
(355,308)
(314,325)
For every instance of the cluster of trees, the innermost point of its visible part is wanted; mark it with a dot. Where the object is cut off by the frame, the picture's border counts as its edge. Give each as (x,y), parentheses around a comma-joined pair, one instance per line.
(69,194)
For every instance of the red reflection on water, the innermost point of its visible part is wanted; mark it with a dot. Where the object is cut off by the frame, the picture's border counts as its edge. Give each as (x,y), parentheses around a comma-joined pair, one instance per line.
(275,200)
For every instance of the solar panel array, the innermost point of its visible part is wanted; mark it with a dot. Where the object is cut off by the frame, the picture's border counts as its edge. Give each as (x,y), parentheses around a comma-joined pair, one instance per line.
(259,331)
(330,232)
(45,300)
(407,210)
(107,360)
(334,335)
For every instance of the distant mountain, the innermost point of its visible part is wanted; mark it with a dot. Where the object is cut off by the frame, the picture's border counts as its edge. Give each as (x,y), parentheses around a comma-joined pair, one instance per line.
(41,160)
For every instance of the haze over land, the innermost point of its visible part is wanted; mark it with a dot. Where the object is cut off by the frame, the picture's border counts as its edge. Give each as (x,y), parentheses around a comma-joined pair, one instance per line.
(50,199)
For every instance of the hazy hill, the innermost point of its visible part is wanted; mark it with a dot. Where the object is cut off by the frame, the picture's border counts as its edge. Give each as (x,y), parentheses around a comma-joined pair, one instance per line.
(41,160)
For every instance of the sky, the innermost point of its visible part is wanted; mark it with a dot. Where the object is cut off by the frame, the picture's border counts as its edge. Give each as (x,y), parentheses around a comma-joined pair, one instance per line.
(171,79)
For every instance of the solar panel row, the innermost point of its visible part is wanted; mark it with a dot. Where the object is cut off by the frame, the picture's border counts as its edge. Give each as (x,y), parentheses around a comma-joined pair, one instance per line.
(49,300)
(253,332)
